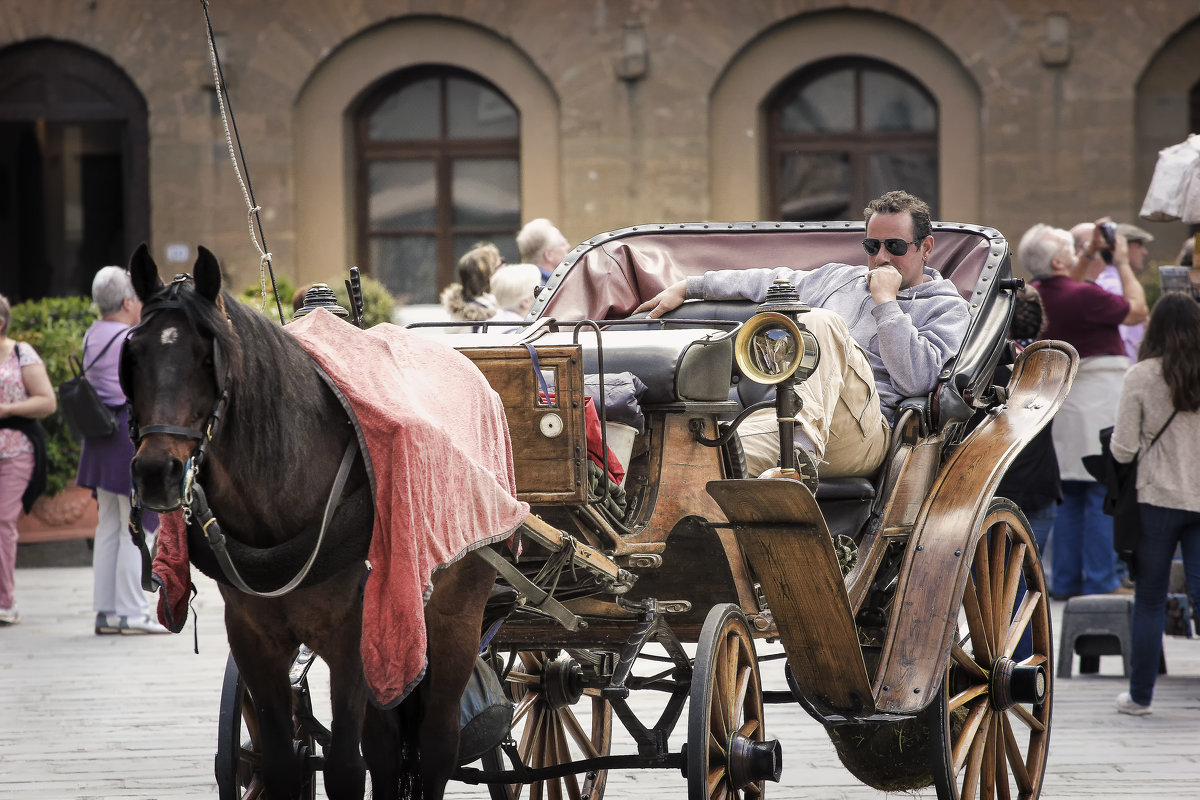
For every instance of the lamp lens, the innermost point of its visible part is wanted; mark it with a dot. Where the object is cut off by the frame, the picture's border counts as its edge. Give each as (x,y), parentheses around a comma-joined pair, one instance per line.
(773,350)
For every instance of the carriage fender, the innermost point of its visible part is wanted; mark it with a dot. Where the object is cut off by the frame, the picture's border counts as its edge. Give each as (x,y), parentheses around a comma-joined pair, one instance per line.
(936,564)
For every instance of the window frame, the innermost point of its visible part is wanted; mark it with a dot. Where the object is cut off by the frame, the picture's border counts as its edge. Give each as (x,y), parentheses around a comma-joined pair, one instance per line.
(858,144)
(443,151)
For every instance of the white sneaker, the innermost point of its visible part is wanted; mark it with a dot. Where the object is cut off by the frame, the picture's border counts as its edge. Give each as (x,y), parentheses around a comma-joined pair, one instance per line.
(10,616)
(139,625)
(1126,705)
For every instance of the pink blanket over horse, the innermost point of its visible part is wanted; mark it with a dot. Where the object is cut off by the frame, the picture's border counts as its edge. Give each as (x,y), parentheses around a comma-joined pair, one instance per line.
(442,468)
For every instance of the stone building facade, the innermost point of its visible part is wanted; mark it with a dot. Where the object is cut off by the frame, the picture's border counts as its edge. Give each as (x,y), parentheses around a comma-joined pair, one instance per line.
(595,113)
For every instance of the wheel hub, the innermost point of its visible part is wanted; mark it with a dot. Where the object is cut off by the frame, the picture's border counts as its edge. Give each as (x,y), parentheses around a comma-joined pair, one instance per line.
(751,761)
(562,683)
(1012,684)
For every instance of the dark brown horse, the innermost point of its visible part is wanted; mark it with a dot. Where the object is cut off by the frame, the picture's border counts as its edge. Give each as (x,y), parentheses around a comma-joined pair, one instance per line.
(269,453)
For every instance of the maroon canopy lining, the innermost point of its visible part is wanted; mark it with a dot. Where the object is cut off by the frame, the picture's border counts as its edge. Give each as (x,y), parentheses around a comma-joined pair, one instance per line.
(612,278)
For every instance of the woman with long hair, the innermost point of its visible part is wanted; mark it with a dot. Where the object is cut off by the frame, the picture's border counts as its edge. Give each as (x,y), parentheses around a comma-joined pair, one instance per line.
(1161,398)
(471,300)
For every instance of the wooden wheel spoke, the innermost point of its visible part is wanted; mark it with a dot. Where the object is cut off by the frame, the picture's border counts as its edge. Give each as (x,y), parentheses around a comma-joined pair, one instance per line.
(1034,660)
(562,753)
(998,539)
(1013,575)
(722,791)
(1001,778)
(975,755)
(1023,714)
(981,578)
(988,766)
(716,775)
(527,747)
(748,729)
(582,740)
(1016,759)
(716,749)
(739,701)
(1020,622)
(524,678)
(977,621)
(967,695)
(964,660)
(968,738)
(528,702)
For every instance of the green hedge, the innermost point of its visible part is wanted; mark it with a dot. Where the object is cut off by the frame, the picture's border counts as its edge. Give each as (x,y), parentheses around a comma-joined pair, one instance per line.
(54,326)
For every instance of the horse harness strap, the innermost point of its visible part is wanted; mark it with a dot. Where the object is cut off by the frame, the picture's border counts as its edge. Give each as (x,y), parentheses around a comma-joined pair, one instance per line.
(201,515)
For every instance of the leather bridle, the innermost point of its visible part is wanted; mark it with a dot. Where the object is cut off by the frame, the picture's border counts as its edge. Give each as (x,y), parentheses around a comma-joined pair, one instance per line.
(193,500)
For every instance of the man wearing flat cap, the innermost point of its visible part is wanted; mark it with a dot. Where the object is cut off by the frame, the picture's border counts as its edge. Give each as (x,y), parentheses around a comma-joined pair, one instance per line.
(1138,240)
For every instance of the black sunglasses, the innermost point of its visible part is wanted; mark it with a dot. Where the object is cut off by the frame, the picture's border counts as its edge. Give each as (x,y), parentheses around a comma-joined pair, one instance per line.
(896,247)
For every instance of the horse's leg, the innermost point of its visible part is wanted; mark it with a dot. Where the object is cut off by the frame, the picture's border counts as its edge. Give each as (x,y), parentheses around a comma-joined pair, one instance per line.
(345,771)
(331,615)
(263,664)
(453,617)
(381,749)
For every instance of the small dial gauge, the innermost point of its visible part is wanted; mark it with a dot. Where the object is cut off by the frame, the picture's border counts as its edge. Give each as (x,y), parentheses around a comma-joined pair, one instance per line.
(551,425)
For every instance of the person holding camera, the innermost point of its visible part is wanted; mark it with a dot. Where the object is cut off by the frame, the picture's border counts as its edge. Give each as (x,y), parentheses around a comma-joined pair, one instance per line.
(1099,243)
(1087,317)
(121,605)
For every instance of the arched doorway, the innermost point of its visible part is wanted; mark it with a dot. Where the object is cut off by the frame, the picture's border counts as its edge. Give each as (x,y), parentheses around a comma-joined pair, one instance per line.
(74,187)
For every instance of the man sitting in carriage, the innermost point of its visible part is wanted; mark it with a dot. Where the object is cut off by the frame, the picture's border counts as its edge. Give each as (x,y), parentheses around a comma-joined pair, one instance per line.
(885,331)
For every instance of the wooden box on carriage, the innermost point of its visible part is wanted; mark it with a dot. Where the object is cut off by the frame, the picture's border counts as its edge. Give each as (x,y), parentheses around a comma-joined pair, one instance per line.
(547,433)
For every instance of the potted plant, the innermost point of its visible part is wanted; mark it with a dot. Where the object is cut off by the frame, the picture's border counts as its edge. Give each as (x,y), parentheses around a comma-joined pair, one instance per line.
(54,326)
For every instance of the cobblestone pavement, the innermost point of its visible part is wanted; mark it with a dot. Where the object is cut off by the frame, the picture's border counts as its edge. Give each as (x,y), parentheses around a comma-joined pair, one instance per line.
(85,716)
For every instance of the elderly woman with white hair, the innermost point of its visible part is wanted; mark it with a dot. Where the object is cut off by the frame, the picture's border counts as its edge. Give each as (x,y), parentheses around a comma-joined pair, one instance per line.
(513,287)
(121,605)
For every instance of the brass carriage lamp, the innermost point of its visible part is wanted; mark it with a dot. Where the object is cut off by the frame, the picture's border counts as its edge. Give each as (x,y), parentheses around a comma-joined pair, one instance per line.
(775,348)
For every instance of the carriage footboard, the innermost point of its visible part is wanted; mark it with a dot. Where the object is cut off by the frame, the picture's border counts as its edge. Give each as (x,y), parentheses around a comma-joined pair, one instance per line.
(784,538)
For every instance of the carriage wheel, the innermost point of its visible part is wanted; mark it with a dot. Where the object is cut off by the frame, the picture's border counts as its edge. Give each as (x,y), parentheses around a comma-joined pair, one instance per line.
(991,718)
(727,756)
(237,763)
(548,732)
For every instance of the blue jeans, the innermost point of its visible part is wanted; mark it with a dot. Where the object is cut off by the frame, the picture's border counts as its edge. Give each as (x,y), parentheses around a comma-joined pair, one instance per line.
(1162,530)
(1041,524)
(1084,559)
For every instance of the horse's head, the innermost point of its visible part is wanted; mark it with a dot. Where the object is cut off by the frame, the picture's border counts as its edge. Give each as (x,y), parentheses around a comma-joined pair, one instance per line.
(174,374)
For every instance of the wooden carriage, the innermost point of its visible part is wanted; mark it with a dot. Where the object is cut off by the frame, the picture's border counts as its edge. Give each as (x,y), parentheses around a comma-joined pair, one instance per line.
(910,604)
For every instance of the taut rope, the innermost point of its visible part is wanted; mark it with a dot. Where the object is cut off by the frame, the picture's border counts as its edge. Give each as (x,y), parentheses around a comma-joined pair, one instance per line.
(231,134)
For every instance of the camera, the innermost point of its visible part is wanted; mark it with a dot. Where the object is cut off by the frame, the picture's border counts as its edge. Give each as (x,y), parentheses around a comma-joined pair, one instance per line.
(1109,231)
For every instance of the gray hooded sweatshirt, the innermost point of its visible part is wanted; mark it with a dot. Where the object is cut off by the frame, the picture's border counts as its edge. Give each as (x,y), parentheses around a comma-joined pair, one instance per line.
(907,340)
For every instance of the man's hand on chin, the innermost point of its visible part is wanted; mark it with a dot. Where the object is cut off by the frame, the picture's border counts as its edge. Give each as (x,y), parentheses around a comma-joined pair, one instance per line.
(884,282)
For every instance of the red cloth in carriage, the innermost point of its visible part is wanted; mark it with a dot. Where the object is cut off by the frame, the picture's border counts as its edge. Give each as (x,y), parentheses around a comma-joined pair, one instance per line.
(440,458)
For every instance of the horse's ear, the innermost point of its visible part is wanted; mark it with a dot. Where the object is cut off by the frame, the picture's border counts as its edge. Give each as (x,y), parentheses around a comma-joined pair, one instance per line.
(207,273)
(144,273)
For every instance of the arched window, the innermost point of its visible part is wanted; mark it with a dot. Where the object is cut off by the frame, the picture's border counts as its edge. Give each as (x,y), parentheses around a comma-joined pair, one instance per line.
(438,171)
(845,131)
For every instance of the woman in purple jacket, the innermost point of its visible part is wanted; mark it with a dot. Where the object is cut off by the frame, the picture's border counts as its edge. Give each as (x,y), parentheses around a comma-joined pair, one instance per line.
(121,605)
